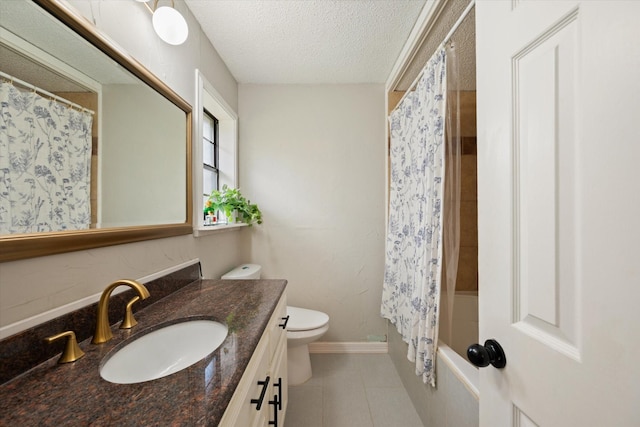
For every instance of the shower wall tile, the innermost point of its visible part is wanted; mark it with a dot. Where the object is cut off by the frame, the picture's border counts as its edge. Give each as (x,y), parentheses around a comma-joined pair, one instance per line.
(466,334)
(468,262)
(466,308)
(467,269)
(468,223)
(469,177)
(469,145)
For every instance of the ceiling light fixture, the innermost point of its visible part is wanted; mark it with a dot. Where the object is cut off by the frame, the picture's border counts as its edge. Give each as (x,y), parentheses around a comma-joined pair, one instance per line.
(168,23)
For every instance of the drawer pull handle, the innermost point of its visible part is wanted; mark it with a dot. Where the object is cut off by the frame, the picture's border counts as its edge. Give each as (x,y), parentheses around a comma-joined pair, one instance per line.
(284,324)
(265,386)
(278,397)
(277,403)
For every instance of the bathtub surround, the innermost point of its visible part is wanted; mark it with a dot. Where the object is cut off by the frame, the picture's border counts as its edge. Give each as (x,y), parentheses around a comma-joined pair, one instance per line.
(460,330)
(467,279)
(459,303)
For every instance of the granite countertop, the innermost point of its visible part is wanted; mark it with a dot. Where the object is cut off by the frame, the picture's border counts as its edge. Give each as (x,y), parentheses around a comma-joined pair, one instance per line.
(74,394)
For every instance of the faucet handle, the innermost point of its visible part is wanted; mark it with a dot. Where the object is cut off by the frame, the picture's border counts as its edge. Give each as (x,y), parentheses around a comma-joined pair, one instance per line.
(72,351)
(129,321)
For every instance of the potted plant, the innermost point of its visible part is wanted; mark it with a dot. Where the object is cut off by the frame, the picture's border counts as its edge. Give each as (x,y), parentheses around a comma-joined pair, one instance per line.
(228,201)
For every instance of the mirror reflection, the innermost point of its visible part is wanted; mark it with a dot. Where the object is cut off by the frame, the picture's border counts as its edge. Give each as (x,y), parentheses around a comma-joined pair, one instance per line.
(84,144)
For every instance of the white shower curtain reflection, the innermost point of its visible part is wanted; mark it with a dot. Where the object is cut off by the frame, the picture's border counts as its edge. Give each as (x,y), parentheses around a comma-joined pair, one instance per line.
(414,245)
(45,164)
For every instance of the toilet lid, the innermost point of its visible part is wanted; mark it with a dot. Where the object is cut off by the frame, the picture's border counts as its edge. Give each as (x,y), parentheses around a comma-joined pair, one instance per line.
(303,319)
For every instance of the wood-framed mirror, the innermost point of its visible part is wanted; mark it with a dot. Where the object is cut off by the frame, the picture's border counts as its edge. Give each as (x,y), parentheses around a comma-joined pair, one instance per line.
(66,92)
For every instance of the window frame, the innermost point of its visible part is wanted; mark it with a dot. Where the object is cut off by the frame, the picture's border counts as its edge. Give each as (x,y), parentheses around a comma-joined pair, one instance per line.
(215,142)
(208,98)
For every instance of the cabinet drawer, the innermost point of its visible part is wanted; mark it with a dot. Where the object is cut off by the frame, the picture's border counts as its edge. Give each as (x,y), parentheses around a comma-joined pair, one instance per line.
(276,328)
(279,388)
(242,410)
(268,361)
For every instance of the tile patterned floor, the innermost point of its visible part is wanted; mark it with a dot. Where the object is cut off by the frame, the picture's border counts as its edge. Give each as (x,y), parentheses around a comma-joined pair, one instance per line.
(351,390)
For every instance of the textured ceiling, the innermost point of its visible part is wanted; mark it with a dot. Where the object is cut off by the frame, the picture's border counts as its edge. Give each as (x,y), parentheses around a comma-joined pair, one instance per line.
(307,41)
(464,40)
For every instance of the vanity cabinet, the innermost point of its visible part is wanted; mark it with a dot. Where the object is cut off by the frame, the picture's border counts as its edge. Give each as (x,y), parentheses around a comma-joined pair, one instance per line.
(278,365)
(260,400)
(222,389)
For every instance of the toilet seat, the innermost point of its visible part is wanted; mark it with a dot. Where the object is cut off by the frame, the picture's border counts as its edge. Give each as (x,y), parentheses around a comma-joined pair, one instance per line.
(303,319)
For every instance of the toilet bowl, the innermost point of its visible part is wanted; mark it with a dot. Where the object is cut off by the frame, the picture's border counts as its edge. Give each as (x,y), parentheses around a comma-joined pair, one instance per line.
(304,327)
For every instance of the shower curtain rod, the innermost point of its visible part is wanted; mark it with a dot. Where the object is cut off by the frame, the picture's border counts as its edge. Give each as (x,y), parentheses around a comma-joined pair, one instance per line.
(463,15)
(12,80)
(453,29)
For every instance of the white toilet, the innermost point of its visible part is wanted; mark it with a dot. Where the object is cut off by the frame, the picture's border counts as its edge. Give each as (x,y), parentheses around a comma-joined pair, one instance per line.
(304,326)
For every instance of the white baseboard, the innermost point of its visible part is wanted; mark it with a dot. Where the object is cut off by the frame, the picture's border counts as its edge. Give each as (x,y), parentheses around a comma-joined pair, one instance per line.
(348,347)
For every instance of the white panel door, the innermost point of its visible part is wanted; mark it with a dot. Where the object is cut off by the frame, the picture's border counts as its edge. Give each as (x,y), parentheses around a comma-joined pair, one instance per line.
(559,211)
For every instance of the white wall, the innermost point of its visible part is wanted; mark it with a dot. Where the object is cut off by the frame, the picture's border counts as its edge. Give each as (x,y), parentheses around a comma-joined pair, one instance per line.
(312,157)
(30,287)
(138,149)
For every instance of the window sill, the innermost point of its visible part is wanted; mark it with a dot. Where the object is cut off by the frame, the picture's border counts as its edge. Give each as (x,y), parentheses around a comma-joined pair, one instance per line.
(207,230)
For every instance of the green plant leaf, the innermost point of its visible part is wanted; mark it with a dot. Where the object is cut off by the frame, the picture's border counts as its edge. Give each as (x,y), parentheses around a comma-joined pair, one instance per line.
(229,199)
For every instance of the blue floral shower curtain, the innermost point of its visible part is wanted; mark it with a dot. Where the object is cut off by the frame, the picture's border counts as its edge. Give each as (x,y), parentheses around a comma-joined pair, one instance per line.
(45,163)
(413,259)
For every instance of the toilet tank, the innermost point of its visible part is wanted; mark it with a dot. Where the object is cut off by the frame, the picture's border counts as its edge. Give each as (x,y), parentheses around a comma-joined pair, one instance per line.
(244,272)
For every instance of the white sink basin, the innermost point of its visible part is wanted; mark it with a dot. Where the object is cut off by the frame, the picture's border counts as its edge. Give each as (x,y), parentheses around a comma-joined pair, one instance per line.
(164,351)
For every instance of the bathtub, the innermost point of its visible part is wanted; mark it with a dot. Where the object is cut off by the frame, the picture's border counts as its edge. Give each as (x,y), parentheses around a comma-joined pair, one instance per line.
(466,373)
(454,402)
(452,348)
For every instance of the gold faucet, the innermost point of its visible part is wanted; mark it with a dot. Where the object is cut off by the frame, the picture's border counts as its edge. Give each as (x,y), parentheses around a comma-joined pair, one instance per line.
(103,329)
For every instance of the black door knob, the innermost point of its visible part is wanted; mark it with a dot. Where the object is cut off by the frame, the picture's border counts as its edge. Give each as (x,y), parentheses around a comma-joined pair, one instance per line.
(489,353)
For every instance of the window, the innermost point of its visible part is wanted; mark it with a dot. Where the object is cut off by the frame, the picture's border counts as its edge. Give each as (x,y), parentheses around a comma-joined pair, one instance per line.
(210,155)
(215,158)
